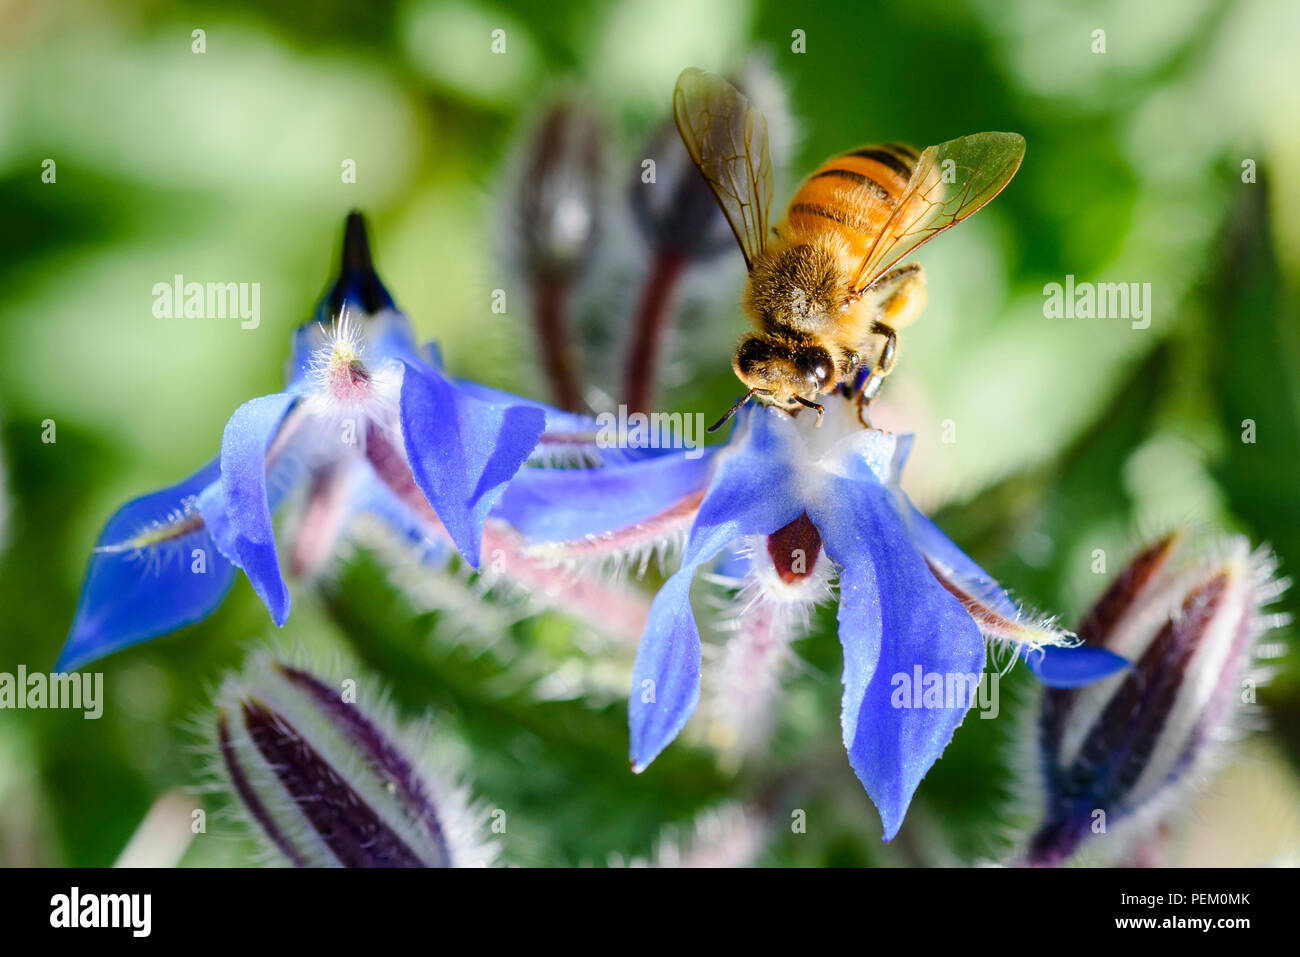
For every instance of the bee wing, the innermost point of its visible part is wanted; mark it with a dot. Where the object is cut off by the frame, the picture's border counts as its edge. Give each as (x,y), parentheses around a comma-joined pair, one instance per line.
(951,181)
(727,139)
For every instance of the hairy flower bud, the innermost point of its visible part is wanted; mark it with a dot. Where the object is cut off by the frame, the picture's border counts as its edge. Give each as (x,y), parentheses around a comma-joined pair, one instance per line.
(672,203)
(559,193)
(329,785)
(1117,752)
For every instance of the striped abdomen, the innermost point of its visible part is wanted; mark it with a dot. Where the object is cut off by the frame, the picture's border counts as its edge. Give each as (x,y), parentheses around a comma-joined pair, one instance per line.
(853,193)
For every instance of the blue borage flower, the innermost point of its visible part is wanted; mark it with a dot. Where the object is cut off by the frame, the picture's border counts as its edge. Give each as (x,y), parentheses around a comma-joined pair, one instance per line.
(801,501)
(367,424)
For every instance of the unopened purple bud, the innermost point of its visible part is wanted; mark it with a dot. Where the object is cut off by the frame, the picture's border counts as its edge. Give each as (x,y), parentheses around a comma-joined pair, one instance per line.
(1117,752)
(559,194)
(329,785)
(673,204)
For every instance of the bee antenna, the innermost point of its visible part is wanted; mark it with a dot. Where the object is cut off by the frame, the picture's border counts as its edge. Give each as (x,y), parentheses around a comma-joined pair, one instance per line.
(730,412)
(811,405)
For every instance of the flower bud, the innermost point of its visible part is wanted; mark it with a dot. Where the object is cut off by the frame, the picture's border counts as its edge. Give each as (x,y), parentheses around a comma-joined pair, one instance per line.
(672,203)
(559,194)
(329,785)
(1118,751)
(674,207)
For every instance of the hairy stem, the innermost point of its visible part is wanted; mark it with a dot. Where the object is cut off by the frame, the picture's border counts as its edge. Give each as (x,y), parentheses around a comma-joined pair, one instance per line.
(652,317)
(550,305)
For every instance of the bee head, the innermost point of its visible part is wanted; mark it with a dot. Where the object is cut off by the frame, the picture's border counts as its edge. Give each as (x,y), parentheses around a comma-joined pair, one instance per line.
(784,371)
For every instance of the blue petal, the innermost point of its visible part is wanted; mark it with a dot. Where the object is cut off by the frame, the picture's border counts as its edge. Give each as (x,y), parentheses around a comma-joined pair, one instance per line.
(306,340)
(129,597)
(560,505)
(666,678)
(754,492)
(249,537)
(375,498)
(1073,667)
(463,451)
(894,617)
(557,420)
(973,579)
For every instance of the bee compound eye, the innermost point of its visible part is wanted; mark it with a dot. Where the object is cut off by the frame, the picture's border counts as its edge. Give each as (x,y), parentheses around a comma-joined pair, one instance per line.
(816,364)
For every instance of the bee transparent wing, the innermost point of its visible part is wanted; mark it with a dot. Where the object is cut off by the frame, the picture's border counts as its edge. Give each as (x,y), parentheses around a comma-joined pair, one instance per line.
(951,181)
(727,139)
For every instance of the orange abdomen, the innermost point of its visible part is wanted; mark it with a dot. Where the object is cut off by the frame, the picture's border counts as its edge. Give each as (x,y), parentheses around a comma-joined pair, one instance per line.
(853,194)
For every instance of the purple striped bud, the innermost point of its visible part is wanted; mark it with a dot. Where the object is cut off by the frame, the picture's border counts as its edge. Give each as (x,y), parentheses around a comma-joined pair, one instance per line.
(552,232)
(672,203)
(559,194)
(329,785)
(1116,754)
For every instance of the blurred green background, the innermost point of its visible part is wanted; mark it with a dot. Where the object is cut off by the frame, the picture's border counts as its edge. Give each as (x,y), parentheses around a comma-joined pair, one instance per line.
(1071,435)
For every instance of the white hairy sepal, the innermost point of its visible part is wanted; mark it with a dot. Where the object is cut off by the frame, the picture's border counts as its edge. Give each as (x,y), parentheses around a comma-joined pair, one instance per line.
(728,836)
(761,617)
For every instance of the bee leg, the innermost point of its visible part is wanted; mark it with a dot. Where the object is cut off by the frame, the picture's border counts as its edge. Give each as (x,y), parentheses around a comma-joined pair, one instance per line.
(901,297)
(870,384)
(889,354)
(901,294)
(864,415)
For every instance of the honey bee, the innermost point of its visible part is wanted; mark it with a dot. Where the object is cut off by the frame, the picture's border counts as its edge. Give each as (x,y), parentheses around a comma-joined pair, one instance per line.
(822,288)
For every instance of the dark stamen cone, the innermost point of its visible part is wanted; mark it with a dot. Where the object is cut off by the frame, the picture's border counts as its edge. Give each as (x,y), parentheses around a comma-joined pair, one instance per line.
(357,286)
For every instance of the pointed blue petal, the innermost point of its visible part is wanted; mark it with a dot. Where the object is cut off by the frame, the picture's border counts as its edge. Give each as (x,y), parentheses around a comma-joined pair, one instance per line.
(560,505)
(211,503)
(373,497)
(463,451)
(245,499)
(1073,667)
(754,492)
(666,679)
(557,420)
(894,618)
(944,552)
(131,596)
